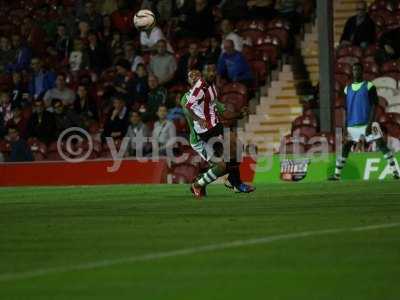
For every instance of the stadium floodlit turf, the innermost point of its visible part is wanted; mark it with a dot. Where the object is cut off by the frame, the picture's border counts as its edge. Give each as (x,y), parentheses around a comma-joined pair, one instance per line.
(296,241)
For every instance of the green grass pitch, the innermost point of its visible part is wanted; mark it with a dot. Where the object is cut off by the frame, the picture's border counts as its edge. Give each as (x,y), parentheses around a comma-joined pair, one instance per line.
(156,242)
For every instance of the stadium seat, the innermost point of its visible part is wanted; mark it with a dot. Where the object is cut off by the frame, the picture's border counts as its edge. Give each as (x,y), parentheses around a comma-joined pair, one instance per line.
(238,101)
(260,71)
(291,144)
(253,35)
(371,71)
(391,69)
(343,68)
(269,52)
(371,50)
(350,51)
(343,79)
(250,53)
(322,138)
(234,87)
(281,34)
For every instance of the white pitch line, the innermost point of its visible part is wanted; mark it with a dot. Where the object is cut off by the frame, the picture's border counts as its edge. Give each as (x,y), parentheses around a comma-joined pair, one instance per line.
(188,251)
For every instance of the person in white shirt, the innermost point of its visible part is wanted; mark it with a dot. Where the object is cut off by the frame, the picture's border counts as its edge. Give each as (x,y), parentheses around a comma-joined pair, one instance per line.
(61,92)
(229,34)
(164,132)
(150,38)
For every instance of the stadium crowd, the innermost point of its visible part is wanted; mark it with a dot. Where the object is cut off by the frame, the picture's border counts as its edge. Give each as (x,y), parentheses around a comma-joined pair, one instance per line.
(66,63)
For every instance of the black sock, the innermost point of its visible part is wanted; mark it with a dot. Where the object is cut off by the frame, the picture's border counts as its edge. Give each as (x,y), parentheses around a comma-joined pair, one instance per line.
(234,174)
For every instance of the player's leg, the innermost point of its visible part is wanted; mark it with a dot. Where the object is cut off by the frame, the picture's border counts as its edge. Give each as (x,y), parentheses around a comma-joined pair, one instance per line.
(233,168)
(217,168)
(388,156)
(354,135)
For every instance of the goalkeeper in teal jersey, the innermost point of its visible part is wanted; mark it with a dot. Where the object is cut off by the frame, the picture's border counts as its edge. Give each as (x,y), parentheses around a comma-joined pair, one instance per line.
(206,152)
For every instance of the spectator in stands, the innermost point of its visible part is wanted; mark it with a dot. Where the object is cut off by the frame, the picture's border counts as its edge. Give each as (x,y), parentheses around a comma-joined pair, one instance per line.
(117,122)
(233,9)
(63,43)
(97,53)
(233,66)
(66,17)
(36,31)
(122,18)
(289,10)
(83,32)
(229,34)
(359,29)
(20,150)
(6,109)
(389,46)
(150,38)
(78,59)
(164,132)
(261,9)
(64,117)
(198,20)
(163,64)
(214,49)
(6,53)
(106,31)
(189,61)
(84,106)
(115,47)
(156,97)
(41,80)
(176,113)
(22,55)
(41,124)
(132,56)
(124,82)
(19,121)
(138,133)
(19,90)
(61,92)
(141,84)
(92,17)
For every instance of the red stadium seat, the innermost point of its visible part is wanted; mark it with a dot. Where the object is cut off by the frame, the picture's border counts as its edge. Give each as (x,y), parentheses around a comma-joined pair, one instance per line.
(343,69)
(371,71)
(236,100)
(371,50)
(234,87)
(260,71)
(250,53)
(270,53)
(253,35)
(350,51)
(283,36)
(279,23)
(343,79)
(391,69)
(321,138)
(291,144)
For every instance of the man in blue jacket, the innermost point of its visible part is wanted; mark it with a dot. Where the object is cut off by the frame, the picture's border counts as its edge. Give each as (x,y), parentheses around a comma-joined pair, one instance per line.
(233,65)
(42,80)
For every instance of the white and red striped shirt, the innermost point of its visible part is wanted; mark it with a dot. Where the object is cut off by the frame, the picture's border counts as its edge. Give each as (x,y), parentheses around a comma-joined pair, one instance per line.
(201,102)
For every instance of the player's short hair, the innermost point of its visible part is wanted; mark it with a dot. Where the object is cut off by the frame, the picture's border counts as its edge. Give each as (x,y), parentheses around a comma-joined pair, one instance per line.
(357,64)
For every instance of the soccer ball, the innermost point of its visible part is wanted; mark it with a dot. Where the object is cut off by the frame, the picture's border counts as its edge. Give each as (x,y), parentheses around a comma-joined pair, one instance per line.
(144,19)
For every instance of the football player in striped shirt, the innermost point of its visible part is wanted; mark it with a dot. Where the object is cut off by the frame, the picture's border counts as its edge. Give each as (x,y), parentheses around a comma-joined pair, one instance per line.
(202,108)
